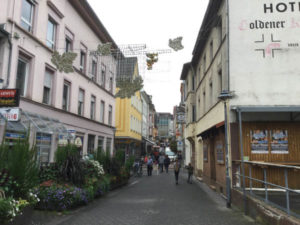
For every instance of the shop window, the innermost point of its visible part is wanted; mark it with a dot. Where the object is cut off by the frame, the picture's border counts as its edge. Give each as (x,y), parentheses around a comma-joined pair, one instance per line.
(102,108)
(48,87)
(27,15)
(91,144)
(81,102)
(108,145)
(51,33)
(66,96)
(100,143)
(22,75)
(43,144)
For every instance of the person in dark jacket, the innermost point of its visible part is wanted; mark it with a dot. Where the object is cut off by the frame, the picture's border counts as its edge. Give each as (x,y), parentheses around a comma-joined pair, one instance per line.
(167,163)
(190,169)
(176,170)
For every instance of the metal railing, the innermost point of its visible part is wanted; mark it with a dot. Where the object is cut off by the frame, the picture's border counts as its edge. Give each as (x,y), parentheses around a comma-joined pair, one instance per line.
(267,185)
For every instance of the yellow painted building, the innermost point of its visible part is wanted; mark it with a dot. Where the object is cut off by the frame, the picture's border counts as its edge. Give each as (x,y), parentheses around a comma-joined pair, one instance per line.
(128,135)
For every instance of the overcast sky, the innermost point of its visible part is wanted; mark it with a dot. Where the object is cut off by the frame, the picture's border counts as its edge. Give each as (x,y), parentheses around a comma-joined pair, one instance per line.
(153,23)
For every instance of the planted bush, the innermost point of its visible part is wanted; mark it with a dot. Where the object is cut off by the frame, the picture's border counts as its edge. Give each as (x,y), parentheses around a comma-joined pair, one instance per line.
(10,208)
(19,163)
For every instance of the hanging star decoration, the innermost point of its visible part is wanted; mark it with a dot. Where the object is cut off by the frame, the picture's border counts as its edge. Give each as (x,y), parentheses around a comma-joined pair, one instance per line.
(64,62)
(175,44)
(104,49)
(128,87)
(151,59)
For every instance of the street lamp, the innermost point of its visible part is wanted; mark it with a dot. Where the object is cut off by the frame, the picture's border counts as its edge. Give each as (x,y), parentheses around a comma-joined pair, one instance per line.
(224,96)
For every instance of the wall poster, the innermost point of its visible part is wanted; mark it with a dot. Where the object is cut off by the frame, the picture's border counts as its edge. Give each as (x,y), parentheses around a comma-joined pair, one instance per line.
(279,141)
(259,141)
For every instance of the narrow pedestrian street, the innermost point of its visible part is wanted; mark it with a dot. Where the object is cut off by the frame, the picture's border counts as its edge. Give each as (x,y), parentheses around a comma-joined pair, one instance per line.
(156,200)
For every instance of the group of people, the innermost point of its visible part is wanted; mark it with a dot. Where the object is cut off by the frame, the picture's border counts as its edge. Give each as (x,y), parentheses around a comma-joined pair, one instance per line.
(163,161)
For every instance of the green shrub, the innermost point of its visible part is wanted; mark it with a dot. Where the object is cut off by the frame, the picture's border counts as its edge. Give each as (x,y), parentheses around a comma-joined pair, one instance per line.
(20,160)
(104,160)
(105,183)
(49,172)
(9,208)
(69,164)
(120,157)
(129,164)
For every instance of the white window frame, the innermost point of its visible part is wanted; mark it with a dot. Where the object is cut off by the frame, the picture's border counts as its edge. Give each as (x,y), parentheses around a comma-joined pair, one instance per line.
(26,75)
(102,111)
(81,112)
(103,75)
(110,114)
(93,107)
(24,20)
(52,42)
(68,95)
(51,74)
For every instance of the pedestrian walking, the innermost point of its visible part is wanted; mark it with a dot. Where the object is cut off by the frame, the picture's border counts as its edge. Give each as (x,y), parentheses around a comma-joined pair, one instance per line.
(146,159)
(176,170)
(190,169)
(149,166)
(161,160)
(179,157)
(167,163)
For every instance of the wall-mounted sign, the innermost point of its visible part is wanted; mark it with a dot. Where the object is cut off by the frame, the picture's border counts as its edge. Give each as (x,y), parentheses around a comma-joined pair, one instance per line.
(11,114)
(180,118)
(9,97)
(78,141)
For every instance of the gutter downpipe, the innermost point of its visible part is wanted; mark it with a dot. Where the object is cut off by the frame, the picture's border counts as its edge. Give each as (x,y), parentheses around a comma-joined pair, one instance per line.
(9,64)
(242,160)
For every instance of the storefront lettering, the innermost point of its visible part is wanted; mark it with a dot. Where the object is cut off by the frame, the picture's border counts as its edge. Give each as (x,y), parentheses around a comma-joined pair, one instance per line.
(282,7)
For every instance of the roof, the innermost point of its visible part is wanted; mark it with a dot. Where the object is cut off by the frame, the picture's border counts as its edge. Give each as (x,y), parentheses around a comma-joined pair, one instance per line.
(185,70)
(87,13)
(125,67)
(210,18)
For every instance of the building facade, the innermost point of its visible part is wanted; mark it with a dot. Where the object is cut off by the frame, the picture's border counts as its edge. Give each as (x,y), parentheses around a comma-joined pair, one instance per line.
(164,126)
(236,57)
(129,112)
(79,105)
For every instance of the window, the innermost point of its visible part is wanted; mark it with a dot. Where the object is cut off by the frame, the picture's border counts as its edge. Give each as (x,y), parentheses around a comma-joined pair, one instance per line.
(81,102)
(193,83)
(92,110)
(66,96)
(27,15)
(203,102)
(68,44)
(102,106)
(110,115)
(220,81)
(94,70)
(193,113)
(108,145)
(103,75)
(211,93)
(220,31)
(111,82)
(204,64)
(82,61)
(100,143)
(51,33)
(91,144)
(211,49)
(22,76)
(48,83)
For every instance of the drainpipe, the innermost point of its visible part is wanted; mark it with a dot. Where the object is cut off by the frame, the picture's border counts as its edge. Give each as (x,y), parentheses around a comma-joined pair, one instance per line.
(9,63)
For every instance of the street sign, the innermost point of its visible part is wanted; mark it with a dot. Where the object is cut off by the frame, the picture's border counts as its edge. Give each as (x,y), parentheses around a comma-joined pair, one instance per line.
(11,114)
(9,97)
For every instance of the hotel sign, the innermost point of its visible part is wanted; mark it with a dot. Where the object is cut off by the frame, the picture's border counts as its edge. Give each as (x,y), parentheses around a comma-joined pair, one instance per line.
(11,114)
(9,97)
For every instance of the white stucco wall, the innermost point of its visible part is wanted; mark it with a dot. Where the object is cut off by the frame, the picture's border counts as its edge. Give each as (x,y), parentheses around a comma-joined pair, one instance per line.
(263,60)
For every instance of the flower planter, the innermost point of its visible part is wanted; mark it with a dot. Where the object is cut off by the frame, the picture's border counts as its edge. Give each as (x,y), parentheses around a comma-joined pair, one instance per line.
(25,218)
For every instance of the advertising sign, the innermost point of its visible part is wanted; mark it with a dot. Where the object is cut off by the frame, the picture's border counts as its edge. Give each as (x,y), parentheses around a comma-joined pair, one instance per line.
(279,142)
(264,43)
(259,141)
(9,97)
(11,114)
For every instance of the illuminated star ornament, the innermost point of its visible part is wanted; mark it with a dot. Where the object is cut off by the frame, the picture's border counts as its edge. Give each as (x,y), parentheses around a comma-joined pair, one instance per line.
(104,49)
(64,62)
(175,44)
(128,87)
(151,59)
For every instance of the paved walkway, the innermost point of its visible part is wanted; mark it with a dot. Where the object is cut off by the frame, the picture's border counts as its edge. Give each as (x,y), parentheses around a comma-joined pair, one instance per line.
(156,200)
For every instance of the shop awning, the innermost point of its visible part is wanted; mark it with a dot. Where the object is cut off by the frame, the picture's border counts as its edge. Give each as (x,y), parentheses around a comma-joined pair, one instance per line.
(41,123)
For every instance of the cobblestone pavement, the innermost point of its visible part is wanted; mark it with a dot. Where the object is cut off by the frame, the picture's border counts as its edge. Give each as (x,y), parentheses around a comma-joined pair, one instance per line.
(156,200)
